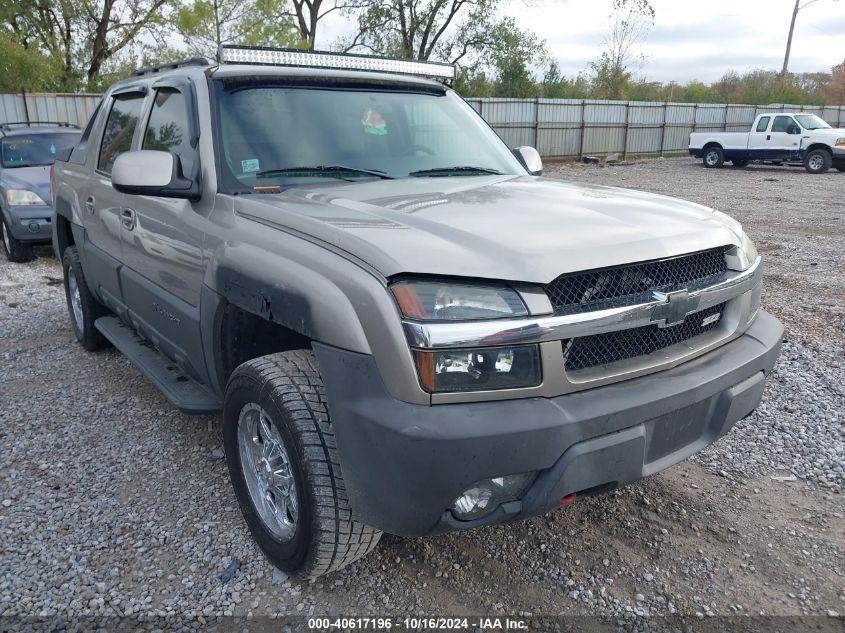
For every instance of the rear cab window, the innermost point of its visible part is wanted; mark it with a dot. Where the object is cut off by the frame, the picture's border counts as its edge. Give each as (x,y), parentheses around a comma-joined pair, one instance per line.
(120,128)
(763,123)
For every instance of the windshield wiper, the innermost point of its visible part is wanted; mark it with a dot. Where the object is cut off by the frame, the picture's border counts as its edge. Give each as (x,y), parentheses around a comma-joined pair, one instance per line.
(332,171)
(460,170)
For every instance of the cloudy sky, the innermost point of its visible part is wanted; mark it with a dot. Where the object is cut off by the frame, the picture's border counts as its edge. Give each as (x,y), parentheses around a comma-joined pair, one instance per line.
(691,39)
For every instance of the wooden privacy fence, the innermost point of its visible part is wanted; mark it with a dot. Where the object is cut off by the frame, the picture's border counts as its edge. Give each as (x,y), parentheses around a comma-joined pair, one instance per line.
(558,128)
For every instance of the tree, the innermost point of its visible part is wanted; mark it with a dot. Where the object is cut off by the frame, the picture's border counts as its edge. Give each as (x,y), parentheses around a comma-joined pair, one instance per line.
(24,68)
(84,36)
(613,71)
(447,30)
(208,24)
(835,88)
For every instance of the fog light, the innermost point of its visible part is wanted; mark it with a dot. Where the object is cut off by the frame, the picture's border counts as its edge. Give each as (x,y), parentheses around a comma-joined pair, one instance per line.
(34,227)
(484,496)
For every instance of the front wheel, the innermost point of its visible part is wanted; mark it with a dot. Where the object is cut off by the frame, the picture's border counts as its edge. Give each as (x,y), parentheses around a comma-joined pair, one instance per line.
(713,157)
(283,462)
(16,251)
(818,161)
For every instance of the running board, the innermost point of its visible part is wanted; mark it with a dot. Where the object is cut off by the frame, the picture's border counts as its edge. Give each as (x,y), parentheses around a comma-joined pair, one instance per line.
(185,393)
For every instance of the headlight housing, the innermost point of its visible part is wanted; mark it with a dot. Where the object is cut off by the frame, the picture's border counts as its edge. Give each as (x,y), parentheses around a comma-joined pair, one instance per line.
(470,369)
(840,142)
(23,197)
(444,301)
(748,248)
(480,369)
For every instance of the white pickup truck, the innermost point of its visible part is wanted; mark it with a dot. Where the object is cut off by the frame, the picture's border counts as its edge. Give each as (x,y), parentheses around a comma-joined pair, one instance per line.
(778,138)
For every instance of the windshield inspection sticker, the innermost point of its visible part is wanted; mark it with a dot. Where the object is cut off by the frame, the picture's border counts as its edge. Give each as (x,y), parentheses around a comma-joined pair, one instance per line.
(249,166)
(374,123)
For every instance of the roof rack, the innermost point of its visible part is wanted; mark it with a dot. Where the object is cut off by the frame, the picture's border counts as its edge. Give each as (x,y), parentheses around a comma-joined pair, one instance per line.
(193,61)
(8,124)
(265,56)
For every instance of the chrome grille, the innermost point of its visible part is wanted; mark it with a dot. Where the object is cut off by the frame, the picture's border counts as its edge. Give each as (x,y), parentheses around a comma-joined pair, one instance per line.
(603,349)
(633,283)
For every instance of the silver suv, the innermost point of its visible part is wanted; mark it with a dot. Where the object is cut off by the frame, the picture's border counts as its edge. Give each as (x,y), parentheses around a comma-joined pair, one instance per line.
(405,327)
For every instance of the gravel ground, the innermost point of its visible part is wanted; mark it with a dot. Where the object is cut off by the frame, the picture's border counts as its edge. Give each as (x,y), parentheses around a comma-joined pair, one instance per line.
(114,504)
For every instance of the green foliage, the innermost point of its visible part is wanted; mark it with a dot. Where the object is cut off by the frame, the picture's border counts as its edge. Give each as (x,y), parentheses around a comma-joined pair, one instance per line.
(206,24)
(27,68)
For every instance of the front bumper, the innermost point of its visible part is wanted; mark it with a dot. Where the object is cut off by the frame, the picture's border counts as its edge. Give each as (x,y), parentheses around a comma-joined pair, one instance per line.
(30,223)
(404,464)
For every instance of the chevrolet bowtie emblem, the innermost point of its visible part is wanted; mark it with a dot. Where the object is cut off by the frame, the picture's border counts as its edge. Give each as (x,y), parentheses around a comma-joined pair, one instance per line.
(676,307)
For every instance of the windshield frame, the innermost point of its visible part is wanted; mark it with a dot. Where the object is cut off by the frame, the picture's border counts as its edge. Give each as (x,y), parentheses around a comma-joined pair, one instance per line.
(227,183)
(798,117)
(29,135)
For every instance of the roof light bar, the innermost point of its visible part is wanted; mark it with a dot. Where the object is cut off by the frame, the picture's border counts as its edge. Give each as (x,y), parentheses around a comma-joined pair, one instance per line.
(346,61)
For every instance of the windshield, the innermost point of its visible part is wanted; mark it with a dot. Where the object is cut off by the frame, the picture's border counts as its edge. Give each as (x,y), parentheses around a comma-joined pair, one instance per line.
(811,122)
(274,136)
(29,150)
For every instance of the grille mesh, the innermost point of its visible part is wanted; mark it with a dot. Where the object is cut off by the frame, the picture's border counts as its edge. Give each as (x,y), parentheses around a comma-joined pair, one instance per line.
(601,349)
(634,283)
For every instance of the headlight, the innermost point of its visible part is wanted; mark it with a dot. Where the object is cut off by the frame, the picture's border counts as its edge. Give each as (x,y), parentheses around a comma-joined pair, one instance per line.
(478,369)
(748,248)
(431,300)
(482,369)
(23,197)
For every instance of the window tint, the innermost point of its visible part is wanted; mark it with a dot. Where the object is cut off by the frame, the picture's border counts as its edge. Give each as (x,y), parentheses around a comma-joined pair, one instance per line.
(782,123)
(763,123)
(120,126)
(168,129)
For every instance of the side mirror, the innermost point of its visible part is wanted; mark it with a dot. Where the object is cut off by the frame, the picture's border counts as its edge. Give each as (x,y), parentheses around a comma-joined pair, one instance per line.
(147,172)
(794,129)
(530,159)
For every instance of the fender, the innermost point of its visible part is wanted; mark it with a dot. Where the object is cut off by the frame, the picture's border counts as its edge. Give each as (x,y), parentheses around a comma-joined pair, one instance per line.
(301,300)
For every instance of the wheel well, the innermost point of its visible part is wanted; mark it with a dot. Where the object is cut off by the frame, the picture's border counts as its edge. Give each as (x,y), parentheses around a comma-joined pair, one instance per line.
(711,144)
(243,336)
(819,146)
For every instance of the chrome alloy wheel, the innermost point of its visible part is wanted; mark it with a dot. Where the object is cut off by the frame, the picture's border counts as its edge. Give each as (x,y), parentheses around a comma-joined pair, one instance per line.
(75,301)
(267,471)
(816,162)
(712,158)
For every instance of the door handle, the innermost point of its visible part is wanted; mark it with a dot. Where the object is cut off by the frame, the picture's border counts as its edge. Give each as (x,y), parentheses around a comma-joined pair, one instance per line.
(127,217)
(768,137)
(89,204)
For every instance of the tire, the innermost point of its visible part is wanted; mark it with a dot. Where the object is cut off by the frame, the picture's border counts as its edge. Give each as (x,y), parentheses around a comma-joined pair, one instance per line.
(16,251)
(740,162)
(818,161)
(82,307)
(276,405)
(713,157)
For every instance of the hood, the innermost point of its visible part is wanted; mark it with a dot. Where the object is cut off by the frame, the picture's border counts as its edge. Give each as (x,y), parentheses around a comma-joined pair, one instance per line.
(517,228)
(35,179)
(833,132)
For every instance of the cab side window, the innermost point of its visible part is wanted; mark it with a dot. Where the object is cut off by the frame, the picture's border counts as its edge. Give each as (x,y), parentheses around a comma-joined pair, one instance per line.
(168,129)
(763,123)
(782,123)
(120,126)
